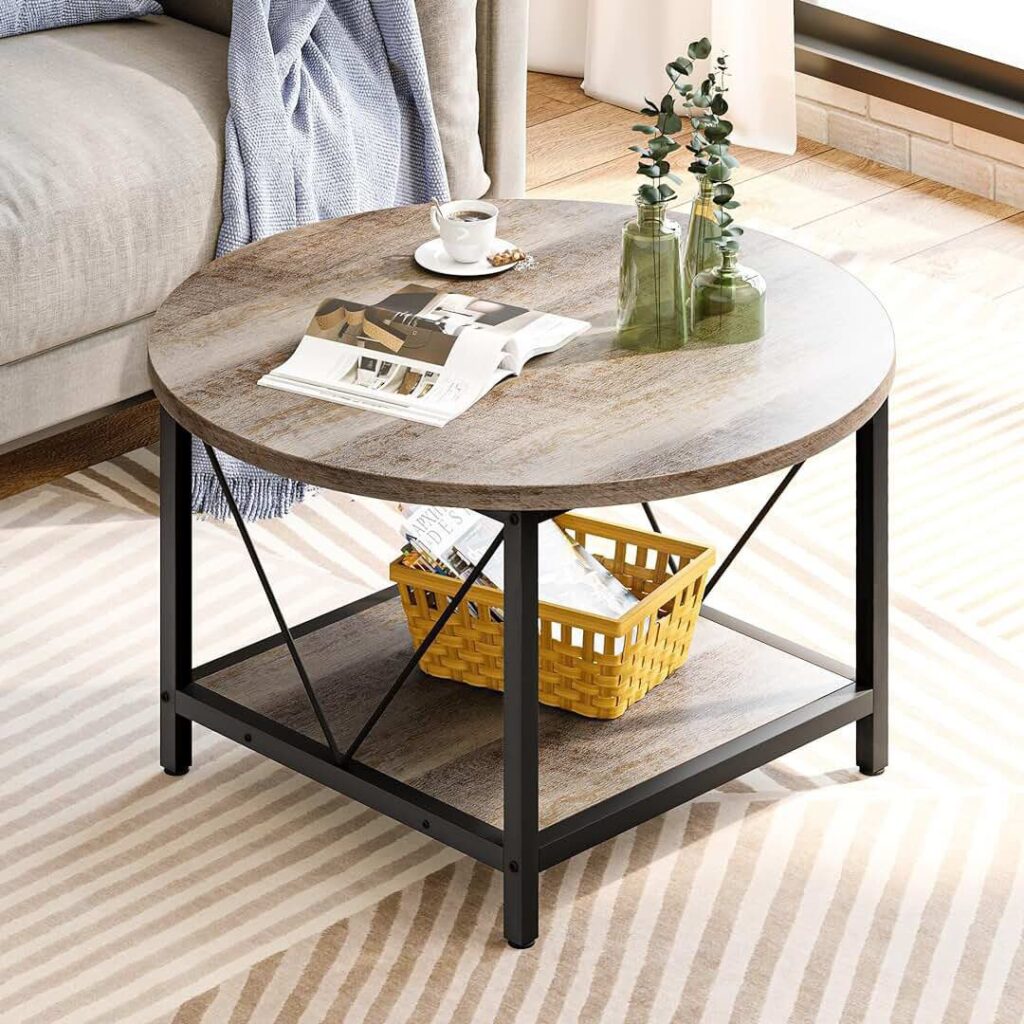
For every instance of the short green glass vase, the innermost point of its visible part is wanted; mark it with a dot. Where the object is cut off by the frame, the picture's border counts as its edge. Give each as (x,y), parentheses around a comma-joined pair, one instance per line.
(653,312)
(728,303)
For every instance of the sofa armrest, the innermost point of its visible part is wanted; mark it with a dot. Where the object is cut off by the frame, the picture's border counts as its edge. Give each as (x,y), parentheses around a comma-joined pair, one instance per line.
(502,28)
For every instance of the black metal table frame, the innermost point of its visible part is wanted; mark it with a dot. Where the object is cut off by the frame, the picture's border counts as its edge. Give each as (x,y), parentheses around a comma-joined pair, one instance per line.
(521,850)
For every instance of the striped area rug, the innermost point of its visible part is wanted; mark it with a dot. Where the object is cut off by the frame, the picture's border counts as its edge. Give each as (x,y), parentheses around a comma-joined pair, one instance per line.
(241,892)
(799,893)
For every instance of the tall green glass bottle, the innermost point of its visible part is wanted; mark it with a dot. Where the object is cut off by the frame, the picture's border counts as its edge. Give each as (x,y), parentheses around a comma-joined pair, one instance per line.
(701,234)
(653,303)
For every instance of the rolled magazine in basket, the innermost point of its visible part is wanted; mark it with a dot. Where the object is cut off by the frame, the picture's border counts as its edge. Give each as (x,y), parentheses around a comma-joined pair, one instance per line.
(568,575)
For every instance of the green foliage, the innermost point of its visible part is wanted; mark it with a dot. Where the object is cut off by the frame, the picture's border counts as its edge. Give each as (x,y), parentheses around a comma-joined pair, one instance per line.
(705,107)
(700,49)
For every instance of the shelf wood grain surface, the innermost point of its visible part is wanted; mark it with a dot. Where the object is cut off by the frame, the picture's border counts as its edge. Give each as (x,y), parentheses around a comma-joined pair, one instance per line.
(590,425)
(730,685)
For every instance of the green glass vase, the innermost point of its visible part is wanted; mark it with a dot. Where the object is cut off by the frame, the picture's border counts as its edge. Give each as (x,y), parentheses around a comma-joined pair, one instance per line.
(728,303)
(653,310)
(702,231)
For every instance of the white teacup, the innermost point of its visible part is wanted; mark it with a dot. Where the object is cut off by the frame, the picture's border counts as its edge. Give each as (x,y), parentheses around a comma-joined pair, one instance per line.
(466,239)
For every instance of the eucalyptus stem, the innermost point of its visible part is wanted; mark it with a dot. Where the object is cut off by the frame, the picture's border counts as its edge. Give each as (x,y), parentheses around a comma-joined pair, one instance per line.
(709,142)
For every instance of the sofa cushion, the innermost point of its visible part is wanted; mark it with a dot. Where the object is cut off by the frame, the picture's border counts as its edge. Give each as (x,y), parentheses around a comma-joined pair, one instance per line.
(109,174)
(17,16)
(62,383)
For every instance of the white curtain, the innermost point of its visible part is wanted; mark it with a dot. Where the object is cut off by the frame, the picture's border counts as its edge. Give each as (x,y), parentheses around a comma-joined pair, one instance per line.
(621,49)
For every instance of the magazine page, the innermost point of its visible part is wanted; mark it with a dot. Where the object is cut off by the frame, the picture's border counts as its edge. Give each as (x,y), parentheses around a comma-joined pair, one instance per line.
(419,354)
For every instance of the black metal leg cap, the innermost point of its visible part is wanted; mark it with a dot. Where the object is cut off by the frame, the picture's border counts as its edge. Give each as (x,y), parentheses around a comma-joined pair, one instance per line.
(516,945)
(175,771)
(864,771)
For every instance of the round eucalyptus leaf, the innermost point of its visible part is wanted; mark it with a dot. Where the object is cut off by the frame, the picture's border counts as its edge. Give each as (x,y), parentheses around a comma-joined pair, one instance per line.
(719,172)
(700,49)
(718,132)
(718,104)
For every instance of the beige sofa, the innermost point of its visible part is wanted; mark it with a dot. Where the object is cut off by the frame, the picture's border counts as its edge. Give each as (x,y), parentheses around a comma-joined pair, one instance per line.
(111,143)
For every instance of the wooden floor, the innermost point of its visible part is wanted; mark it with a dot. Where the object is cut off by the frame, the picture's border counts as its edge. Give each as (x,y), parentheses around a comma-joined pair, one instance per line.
(949,268)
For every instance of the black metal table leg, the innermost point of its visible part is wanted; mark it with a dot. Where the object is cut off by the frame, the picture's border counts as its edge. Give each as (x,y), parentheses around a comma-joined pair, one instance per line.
(521,722)
(175,592)
(873,589)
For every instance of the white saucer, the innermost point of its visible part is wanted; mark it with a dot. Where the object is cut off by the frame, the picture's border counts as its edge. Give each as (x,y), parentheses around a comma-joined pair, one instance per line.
(432,256)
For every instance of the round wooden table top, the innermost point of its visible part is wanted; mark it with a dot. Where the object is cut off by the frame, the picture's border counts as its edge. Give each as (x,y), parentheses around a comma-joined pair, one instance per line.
(589,425)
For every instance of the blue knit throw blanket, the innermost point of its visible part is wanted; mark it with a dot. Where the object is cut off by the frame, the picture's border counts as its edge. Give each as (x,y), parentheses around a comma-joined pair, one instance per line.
(330,114)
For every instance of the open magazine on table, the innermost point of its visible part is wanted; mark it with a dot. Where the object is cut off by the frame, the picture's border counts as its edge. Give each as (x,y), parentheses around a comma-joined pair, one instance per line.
(419,354)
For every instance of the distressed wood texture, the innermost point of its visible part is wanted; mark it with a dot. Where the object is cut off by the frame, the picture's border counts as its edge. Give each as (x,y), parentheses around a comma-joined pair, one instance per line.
(587,426)
(75,446)
(445,737)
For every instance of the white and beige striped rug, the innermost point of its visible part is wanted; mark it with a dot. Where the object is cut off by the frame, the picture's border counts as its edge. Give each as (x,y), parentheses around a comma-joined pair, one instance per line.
(800,893)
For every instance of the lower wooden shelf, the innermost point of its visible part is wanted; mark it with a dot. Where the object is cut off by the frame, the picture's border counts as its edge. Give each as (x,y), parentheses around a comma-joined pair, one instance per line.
(445,738)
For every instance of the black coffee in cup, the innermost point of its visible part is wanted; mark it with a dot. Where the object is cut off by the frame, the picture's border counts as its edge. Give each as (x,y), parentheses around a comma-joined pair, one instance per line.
(469,215)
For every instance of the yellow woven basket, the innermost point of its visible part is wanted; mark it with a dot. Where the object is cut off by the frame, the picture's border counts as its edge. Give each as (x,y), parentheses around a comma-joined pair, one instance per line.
(589,664)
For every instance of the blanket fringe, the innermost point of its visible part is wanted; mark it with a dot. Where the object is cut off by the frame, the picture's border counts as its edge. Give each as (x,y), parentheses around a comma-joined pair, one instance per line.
(258,497)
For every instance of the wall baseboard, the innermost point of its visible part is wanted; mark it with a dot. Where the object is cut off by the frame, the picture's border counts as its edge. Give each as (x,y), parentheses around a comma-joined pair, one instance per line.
(911,140)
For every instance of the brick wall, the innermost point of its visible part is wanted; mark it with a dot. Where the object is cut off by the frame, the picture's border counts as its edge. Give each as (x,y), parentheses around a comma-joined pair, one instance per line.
(933,147)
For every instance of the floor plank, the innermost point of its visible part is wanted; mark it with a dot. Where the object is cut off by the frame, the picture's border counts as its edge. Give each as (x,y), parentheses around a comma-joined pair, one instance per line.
(557,87)
(808,190)
(615,181)
(545,108)
(989,261)
(568,145)
(900,223)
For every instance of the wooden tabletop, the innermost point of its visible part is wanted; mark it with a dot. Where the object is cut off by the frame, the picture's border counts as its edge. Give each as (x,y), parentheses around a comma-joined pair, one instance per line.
(590,425)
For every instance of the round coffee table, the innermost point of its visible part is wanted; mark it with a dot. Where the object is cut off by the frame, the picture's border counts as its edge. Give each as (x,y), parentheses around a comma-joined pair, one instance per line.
(590,425)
